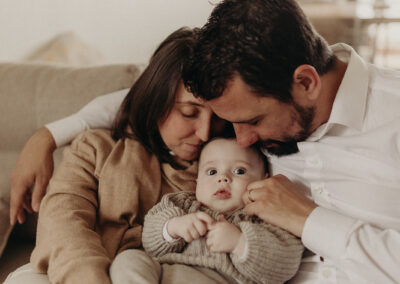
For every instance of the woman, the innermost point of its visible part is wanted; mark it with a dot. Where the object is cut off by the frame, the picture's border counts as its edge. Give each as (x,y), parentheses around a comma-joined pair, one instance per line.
(108,181)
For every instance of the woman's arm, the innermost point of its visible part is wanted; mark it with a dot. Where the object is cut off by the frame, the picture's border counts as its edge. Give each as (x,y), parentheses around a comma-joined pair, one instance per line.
(34,167)
(68,248)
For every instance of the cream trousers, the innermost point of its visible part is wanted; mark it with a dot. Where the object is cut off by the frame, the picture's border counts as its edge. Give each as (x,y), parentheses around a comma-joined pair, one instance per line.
(133,266)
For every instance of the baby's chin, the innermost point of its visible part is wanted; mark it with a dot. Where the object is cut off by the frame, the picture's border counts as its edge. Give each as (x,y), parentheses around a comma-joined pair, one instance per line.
(227,210)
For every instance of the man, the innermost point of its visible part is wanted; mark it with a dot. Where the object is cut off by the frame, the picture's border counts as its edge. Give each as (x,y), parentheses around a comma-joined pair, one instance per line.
(330,125)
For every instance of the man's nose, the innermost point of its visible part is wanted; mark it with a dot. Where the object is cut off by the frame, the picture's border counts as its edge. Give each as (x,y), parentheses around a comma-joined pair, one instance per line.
(244,136)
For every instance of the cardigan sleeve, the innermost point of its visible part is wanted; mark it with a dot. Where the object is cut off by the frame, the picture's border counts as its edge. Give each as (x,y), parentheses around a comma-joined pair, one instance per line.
(152,237)
(273,254)
(67,246)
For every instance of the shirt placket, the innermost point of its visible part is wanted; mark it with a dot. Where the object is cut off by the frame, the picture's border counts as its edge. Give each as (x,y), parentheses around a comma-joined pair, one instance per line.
(313,166)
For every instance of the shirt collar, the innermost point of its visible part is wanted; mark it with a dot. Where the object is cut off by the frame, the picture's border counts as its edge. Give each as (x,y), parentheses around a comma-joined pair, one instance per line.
(349,106)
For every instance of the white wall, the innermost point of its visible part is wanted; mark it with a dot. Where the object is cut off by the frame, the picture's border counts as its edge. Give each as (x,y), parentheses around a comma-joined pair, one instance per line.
(122,30)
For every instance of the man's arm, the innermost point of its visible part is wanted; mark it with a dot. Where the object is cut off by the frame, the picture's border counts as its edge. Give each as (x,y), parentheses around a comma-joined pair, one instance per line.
(34,167)
(98,113)
(361,249)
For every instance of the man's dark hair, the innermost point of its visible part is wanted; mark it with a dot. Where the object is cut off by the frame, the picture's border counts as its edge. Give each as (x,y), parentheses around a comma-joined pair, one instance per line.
(152,96)
(263,41)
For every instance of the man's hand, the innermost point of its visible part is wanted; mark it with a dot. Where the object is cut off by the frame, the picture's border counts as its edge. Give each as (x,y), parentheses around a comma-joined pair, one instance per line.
(31,174)
(278,202)
(225,237)
(190,227)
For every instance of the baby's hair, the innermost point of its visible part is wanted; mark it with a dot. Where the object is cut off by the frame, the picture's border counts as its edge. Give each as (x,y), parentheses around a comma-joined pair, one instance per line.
(254,147)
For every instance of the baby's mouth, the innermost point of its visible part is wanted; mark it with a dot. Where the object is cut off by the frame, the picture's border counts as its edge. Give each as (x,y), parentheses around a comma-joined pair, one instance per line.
(222,193)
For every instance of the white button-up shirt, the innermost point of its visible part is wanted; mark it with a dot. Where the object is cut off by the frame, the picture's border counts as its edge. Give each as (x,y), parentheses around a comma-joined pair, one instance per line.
(350,166)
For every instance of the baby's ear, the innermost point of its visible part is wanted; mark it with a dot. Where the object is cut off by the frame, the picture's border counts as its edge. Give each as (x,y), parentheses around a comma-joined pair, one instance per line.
(266,175)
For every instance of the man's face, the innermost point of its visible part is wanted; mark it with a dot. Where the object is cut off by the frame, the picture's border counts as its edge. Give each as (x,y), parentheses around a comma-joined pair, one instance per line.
(275,125)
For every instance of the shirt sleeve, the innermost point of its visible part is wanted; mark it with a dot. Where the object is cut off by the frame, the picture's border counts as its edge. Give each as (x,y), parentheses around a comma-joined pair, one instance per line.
(67,247)
(362,250)
(98,113)
(273,255)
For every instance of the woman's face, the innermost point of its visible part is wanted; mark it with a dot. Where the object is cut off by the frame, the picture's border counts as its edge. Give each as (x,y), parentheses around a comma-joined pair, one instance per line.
(187,126)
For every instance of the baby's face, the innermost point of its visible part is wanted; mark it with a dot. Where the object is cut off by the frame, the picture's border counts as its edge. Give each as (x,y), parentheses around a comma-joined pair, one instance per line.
(225,170)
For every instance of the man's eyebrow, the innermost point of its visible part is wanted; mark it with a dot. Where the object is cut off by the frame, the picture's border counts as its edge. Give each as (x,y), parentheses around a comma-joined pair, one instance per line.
(190,103)
(248,121)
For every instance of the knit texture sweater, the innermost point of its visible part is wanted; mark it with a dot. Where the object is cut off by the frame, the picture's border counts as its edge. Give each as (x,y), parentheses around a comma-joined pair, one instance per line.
(96,203)
(273,254)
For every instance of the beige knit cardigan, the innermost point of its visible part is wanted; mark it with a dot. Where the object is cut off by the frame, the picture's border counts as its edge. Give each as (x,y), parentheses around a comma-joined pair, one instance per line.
(96,204)
(273,254)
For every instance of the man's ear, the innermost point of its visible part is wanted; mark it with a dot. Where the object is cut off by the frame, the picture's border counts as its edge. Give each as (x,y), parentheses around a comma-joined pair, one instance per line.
(306,83)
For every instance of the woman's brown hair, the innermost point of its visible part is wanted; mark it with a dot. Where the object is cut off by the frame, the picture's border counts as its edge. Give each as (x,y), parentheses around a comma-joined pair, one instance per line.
(152,96)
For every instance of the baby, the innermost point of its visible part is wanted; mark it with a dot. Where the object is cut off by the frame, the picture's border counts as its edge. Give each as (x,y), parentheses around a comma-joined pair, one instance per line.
(208,229)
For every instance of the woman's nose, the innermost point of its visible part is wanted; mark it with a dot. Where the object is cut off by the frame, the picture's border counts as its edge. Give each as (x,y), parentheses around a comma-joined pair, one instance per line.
(203,131)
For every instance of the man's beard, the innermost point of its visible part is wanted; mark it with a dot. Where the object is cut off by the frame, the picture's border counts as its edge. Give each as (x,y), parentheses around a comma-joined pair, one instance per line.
(288,145)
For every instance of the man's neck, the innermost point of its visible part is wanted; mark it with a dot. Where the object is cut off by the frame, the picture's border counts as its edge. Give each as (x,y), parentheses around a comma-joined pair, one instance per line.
(330,84)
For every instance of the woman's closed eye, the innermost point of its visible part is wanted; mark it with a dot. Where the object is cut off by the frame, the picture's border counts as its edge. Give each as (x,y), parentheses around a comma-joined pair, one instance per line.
(189,111)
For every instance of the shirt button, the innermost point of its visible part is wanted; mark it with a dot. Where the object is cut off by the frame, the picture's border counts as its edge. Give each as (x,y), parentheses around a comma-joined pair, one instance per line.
(327,273)
(318,187)
(313,162)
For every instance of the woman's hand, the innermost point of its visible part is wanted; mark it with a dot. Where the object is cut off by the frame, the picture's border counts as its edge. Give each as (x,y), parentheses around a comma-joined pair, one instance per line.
(225,237)
(190,227)
(31,175)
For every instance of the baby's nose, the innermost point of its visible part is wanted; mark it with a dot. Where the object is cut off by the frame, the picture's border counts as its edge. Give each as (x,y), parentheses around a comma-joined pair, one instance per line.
(223,178)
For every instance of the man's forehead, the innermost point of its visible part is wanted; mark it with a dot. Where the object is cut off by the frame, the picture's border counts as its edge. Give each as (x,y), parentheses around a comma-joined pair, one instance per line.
(232,109)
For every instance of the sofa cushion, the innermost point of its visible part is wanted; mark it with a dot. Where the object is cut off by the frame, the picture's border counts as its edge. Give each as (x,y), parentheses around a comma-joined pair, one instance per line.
(32,95)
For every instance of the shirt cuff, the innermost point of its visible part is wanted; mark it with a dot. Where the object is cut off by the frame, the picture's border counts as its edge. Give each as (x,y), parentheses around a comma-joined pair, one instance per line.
(66,129)
(167,236)
(243,257)
(326,232)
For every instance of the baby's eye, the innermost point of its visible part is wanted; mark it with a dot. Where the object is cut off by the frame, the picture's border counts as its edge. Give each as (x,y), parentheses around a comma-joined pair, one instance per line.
(239,171)
(211,172)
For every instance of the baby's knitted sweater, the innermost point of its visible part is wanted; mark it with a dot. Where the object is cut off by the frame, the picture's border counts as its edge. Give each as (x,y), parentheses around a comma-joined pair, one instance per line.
(273,254)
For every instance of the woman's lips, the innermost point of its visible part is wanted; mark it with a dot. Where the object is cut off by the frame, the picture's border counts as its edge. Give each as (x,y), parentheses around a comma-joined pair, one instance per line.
(194,147)
(222,193)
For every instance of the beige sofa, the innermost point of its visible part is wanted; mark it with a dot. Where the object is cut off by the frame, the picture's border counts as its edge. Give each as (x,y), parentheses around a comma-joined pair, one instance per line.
(32,95)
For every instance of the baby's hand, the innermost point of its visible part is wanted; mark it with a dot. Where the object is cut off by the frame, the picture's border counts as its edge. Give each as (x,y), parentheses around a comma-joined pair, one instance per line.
(190,227)
(224,237)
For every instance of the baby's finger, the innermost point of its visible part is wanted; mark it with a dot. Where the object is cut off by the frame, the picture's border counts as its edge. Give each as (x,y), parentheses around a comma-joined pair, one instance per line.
(201,227)
(194,233)
(205,218)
